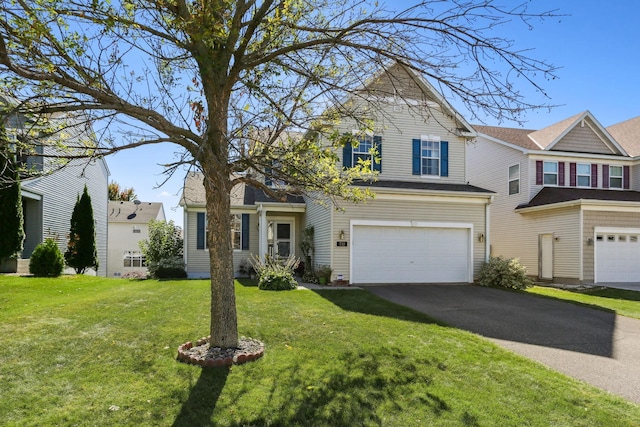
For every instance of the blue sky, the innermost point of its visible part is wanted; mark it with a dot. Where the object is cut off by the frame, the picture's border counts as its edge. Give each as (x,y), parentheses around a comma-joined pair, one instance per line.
(596,46)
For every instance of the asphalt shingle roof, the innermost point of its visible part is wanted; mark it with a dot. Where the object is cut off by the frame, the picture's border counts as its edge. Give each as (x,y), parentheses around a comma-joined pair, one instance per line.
(551,195)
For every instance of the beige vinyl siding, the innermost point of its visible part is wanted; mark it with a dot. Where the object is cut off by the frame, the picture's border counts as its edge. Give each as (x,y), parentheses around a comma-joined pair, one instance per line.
(583,139)
(197,259)
(489,168)
(408,210)
(564,224)
(597,218)
(403,118)
(319,216)
(239,255)
(635,177)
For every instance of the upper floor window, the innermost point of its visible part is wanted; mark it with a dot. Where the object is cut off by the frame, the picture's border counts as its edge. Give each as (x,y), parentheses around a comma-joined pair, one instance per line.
(550,173)
(369,149)
(583,175)
(615,176)
(514,179)
(430,156)
(362,153)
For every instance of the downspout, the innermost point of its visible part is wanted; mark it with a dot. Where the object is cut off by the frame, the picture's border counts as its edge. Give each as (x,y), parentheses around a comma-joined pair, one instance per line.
(487,229)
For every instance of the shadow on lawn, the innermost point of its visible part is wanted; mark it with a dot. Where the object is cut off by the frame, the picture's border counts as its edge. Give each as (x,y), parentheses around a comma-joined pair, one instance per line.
(495,313)
(204,395)
(611,293)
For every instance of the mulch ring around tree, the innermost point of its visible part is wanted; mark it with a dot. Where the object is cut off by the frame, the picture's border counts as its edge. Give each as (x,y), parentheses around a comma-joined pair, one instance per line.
(204,355)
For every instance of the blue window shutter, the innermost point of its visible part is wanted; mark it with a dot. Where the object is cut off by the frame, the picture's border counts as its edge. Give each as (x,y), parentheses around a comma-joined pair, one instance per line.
(200,230)
(377,144)
(347,160)
(444,158)
(245,232)
(416,163)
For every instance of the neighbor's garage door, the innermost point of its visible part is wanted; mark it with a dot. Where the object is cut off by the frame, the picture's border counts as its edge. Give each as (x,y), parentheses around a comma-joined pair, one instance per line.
(617,256)
(390,254)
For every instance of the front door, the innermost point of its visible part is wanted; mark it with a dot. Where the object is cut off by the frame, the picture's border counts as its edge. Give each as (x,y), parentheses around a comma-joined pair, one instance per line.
(546,257)
(279,235)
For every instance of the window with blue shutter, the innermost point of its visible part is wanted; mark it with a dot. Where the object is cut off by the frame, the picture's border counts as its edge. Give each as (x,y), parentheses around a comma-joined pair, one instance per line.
(444,158)
(377,145)
(245,232)
(416,167)
(347,152)
(200,230)
(429,157)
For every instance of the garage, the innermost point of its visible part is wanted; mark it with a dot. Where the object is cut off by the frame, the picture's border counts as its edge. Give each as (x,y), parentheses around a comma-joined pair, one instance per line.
(411,253)
(617,255)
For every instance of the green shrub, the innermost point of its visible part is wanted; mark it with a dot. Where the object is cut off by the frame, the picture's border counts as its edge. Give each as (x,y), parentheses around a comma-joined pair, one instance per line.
(275,274)
(46,260)
(504,273)
(167,268)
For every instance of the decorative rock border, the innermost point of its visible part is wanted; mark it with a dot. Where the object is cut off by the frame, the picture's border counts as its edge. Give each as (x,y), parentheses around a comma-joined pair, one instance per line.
(203,355)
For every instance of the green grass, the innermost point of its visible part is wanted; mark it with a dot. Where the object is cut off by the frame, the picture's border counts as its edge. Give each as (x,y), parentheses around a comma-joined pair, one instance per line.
(101,352)
(621,301)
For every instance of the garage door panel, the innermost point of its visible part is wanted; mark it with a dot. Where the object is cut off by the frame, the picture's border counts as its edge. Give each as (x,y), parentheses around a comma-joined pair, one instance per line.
(617,257)
(383,254)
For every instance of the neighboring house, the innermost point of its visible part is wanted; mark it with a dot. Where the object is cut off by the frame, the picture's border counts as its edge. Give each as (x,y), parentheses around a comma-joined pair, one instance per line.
(426,224)
(128,225)
(568,204)
(48,200)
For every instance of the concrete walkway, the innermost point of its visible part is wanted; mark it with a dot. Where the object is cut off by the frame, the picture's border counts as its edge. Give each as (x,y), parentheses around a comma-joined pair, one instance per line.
(594,346)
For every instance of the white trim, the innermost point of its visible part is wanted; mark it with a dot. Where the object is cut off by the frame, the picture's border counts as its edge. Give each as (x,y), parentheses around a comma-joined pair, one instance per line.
(418,224)
(30,194)
(519,179)
(579,175)
(435,196)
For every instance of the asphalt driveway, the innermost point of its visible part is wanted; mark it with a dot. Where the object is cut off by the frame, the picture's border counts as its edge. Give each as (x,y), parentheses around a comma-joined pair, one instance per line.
(595,346)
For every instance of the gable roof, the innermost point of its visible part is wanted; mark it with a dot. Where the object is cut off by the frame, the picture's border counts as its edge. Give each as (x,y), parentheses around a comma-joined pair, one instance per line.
(132,213)
(552,195)
(548,138)
(464,128)
(627,133)
(193,194)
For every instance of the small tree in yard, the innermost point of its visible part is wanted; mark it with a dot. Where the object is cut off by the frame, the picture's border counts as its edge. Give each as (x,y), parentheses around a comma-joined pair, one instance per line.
(81,250)
(11,225)
(163,250)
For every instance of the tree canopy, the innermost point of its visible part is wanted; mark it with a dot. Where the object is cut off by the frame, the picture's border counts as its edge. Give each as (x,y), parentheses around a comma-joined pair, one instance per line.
(226,80)
(124,194)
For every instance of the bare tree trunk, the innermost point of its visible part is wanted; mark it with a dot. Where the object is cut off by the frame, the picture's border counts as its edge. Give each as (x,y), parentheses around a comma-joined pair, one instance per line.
(224,323)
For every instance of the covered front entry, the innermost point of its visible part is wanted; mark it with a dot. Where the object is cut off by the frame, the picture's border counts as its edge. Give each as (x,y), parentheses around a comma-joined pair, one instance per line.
(617,254)
(410,252)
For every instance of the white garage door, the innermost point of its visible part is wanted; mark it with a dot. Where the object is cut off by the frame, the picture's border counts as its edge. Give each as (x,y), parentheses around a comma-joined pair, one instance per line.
(617,256)
(391,254)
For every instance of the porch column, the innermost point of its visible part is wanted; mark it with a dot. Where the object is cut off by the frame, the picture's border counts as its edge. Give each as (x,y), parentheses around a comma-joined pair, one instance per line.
(262,232)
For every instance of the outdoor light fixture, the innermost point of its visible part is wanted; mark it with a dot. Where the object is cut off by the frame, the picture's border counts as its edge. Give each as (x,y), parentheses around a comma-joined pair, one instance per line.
(341,234)
(480,237)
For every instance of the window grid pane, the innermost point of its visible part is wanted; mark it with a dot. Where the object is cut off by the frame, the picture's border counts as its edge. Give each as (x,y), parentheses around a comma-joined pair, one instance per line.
(430,158)
(236,231)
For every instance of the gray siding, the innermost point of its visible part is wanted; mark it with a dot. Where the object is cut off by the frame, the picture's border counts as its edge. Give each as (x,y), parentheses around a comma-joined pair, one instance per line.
(60,191)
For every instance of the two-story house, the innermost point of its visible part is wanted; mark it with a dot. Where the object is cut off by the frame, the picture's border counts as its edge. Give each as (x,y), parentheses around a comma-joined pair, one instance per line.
(48,197)
(128,226)
(567,204)
(425,225)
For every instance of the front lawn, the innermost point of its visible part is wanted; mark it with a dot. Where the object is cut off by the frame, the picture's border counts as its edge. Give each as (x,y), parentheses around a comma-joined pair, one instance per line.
(92,351)
(621,301)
